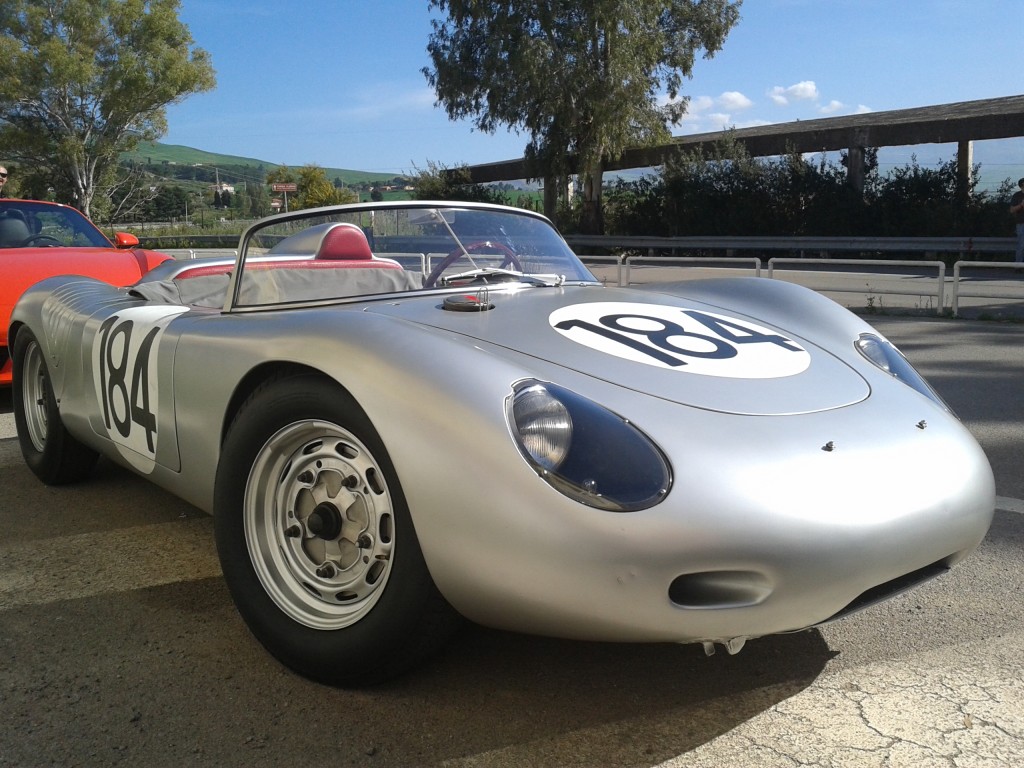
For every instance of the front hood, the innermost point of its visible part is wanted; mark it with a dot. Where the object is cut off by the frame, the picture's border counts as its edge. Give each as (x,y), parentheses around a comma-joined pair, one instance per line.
(669,347)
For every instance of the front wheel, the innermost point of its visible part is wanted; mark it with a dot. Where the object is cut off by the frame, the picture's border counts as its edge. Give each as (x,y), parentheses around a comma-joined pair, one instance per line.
(316,541)
(49,449)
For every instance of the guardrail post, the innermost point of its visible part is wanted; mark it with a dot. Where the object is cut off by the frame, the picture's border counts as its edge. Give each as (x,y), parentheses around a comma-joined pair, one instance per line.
(956,289)
(942,286)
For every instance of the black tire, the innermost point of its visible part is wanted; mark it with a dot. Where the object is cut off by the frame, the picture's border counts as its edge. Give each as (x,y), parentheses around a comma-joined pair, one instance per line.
(316,541)
(49,449)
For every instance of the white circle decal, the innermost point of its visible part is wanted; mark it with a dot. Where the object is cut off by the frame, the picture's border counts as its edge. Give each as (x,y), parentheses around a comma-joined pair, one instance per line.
(682,339)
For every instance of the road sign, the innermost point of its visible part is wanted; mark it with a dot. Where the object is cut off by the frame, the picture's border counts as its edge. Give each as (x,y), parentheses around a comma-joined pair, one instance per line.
(284,187)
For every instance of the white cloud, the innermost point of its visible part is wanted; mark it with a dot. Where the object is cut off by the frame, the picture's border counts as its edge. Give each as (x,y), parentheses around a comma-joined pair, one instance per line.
(734,101)
(862,110)
(719,121)
(832,107)
(805,90)
(700,104)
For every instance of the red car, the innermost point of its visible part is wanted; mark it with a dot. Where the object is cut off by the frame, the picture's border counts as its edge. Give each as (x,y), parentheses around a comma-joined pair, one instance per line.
(39,240)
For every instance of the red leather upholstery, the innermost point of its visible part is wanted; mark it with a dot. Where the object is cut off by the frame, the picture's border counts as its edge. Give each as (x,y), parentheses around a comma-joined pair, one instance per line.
(344,242)
(343,247)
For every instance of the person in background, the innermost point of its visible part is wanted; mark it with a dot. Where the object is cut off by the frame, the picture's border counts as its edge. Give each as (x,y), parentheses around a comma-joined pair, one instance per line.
(1017,209)
(3,178)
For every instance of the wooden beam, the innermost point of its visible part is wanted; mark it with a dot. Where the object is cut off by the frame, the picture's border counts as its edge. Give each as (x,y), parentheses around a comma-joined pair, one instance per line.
(965,121)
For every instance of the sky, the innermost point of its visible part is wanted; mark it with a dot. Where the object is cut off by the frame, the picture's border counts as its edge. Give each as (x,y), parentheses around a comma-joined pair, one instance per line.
(339,83)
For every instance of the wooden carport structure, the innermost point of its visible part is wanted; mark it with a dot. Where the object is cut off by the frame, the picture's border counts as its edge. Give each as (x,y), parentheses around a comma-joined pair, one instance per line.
(961,123)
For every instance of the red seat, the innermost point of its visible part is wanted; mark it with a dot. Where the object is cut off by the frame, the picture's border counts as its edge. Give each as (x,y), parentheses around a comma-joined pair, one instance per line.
(344,242)
(343,246)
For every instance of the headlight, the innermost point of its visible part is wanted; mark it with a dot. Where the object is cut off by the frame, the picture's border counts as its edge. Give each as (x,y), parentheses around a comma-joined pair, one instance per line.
(883,354)
(585,451)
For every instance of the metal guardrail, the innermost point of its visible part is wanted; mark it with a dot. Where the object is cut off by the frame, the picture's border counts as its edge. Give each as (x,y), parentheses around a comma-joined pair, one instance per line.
(667,261)
(940,277)
(730,245)
(933,285)
(964,246)
(958,290)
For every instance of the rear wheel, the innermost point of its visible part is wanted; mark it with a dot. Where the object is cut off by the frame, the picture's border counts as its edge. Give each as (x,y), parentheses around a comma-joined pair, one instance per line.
(316,541)
(49,449)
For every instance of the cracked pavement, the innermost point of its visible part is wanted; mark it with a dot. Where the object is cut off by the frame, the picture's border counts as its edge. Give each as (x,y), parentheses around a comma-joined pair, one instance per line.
(119,645)
(919,712)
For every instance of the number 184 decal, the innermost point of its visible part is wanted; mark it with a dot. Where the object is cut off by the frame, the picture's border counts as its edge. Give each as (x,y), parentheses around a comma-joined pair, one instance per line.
(124,356)
(681,339)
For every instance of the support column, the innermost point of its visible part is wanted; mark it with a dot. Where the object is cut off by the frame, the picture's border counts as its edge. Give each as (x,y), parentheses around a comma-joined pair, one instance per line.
(855,167)
(964,164)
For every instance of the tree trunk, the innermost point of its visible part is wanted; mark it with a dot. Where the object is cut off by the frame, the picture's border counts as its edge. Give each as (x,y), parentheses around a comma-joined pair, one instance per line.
(592,217)
(550,197)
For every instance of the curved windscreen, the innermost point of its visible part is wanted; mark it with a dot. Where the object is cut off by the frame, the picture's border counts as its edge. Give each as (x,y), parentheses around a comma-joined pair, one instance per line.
(364,250)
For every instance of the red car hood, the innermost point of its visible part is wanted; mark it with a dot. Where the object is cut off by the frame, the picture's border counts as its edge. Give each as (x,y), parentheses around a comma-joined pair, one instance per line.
(21,268)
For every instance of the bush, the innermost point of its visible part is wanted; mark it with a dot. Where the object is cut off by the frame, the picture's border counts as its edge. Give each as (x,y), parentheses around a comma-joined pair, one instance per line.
(731,194)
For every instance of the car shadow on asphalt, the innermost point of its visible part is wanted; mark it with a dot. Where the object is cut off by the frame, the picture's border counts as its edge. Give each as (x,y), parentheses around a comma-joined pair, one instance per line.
(652,702)
(171,673)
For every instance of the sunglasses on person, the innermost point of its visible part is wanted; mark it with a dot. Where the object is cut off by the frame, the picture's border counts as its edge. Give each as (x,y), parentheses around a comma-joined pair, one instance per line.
(3,174)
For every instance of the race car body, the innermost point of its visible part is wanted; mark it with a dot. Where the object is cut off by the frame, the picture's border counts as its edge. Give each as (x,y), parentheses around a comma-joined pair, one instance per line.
(401,414)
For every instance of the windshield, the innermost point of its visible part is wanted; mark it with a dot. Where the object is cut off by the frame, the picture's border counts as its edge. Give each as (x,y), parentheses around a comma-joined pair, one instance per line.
(351,251)
(25,224)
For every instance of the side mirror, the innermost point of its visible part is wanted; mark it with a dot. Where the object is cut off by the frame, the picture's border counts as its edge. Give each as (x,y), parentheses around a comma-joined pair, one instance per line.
(125,240)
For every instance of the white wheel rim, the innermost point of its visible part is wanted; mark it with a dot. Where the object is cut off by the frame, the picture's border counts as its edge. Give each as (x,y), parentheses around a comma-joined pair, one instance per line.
(319,524)
(33,396)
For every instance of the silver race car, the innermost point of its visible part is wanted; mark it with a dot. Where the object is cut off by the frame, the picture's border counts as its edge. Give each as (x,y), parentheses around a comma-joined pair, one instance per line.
(403,414)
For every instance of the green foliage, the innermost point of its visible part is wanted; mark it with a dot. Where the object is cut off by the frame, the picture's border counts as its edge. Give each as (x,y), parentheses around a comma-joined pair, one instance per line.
(583,80)
(256,201)
(438,182)
(82,81)
(315,190)
(731,194)
(180,162)
(171,202)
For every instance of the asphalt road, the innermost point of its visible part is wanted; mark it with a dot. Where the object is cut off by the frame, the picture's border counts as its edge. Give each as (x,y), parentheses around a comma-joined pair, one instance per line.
(120,646)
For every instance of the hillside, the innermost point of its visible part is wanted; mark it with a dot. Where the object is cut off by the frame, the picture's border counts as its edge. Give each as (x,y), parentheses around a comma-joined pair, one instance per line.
(157,153)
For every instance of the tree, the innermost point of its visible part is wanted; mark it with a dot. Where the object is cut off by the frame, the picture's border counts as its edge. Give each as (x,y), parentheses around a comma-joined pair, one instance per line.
(438,182)
(257,202)
(170,202)
(584,80)
(82,81)
(313,188)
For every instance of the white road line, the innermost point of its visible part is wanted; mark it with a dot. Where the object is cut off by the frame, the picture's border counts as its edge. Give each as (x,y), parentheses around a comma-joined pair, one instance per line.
(1010,505)
(7,428)
(85,565)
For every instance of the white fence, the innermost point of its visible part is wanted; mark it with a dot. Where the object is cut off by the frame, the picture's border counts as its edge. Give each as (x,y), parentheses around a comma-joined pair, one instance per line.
(926,283)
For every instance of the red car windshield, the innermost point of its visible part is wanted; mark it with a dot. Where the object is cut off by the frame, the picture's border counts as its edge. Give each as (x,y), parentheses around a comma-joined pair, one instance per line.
(26,224)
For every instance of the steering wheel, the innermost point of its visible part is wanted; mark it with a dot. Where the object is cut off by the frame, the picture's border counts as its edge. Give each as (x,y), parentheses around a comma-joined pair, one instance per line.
(510,260)
(40,239)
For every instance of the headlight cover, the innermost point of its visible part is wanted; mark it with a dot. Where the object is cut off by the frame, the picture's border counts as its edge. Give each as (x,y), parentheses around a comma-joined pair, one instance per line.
(884,355)
(585,451)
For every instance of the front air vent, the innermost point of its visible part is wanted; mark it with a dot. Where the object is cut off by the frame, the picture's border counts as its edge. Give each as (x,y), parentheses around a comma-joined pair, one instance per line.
(719,589)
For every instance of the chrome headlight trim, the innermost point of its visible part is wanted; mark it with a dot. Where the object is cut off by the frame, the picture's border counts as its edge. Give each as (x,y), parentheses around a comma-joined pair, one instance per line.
(585,451)
(883,354)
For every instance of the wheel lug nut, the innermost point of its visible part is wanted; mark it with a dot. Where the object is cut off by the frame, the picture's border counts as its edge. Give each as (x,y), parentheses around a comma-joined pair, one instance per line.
(293,532)
(325,571)
(364,542)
